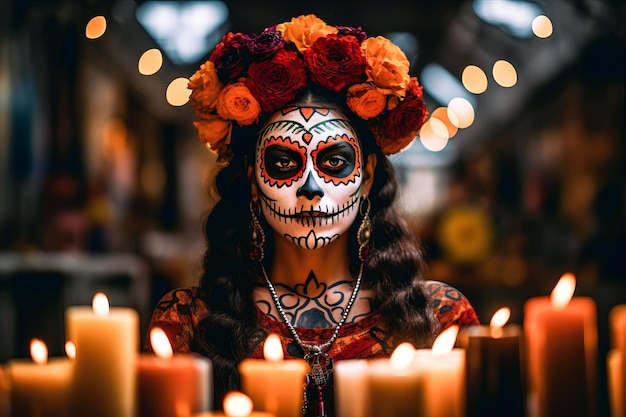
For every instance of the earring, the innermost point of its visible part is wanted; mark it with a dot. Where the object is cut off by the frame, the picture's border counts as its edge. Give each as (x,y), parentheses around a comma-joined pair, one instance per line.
(257,235)
(365,229)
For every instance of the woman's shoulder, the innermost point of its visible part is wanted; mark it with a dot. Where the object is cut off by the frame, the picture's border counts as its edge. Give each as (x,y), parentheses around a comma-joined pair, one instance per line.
(450,305)
(177,313)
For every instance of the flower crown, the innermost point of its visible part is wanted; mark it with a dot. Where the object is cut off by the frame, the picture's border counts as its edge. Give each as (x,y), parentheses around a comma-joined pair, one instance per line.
(248,74)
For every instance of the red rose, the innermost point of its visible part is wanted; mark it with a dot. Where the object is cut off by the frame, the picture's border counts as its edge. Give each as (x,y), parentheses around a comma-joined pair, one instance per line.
(401,125)
(229,55)
(335,61)
(275,82)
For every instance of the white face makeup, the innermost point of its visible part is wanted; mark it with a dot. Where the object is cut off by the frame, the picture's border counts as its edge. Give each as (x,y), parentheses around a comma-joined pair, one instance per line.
(309,171)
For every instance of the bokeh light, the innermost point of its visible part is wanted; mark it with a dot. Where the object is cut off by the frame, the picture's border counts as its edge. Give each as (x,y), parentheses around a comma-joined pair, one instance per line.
(433,135)
(504,73)
(96,27)
(474,79)
(177,93)
(542,26)
(150,62)
(441,113)
(461,112)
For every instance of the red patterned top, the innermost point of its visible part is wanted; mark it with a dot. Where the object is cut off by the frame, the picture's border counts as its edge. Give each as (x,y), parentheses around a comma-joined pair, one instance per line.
(179,312)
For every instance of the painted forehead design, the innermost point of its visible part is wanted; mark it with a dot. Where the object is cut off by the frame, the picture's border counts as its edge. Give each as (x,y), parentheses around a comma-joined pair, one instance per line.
(306,121)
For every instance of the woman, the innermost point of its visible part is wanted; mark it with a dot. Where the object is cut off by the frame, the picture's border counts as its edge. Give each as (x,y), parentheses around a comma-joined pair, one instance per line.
(304,241)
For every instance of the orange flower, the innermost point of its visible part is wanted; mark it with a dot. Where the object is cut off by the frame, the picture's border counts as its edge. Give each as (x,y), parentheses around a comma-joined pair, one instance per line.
(387,66)
(304,30)
(205,87)
(365,100)
(235,102)
(215,132)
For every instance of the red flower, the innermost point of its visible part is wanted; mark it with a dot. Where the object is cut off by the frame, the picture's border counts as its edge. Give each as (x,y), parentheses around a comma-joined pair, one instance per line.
(402,125)
(229,55)
(335,61)
(275,82)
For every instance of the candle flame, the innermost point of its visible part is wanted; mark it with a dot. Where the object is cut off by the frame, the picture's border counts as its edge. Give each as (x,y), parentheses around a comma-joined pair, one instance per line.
(563,291)
(100,304)
(38,351)
(446,340)
(70,349)
(237,404)
(402,356)
(160,343)
(500,317)
(273,350)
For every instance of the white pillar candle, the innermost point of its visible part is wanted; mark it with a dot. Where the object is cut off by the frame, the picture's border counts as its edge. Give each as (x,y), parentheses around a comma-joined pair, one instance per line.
(351,384)
(39,388)
(274,384)
(107,346)
(172,385)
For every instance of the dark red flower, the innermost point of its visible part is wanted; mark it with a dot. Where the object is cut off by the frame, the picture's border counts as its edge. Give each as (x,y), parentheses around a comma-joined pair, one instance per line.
(401,126)
(275,82)
(266,44)
(357,32)
(229,56)
(335,61)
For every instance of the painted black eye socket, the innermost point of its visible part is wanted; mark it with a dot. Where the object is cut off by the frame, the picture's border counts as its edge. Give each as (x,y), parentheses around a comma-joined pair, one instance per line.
(282,162)
(337,160)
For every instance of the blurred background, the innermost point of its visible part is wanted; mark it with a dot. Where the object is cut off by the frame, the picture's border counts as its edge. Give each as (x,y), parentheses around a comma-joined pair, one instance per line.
(103,182)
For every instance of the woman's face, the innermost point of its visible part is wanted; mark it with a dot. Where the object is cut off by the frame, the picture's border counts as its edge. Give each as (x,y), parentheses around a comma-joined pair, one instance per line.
(309,169)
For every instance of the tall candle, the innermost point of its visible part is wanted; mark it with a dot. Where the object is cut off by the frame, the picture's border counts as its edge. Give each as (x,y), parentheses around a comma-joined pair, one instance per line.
(274,384)
(350,387)
(443,373)
(39,388)
(615,361)
(394,386)
(107,346)
(494,371)
(562,344)
(172,385)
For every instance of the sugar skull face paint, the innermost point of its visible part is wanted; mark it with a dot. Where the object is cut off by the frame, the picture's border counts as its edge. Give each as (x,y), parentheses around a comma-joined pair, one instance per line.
(309,171)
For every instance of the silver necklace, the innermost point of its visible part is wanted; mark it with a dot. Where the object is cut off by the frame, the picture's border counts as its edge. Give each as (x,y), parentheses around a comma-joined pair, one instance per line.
(320,364)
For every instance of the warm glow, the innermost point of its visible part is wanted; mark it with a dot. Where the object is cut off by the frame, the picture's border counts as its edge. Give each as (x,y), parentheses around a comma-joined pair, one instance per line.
(461,111)
(160,343)
(500,317)
(542,26)
(446,340)
(429,135)
(474,79)
(563,291)
(441,113)
(237,404)
(150,62)
(38,351)
(70,349)
(504,73)
(114,138)
(96,27)
(402,356)
(273,350)
(100,304)
(177,93)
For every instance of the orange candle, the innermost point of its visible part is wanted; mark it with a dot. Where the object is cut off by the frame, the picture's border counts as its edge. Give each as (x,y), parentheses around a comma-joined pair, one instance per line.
(274,384)
(350,386)
(4,393)
(39,388)
(562,346)
(172,385)
(494,371)
(107,346)
(616,365)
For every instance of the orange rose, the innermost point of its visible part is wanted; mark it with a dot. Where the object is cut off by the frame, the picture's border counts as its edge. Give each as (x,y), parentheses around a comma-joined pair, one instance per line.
(214,132)
(235,102)
(365,100)
(205,87)
(387,66)
(304,30)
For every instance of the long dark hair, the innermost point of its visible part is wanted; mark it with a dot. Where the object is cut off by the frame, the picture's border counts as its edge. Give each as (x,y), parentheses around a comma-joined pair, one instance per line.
(394,271)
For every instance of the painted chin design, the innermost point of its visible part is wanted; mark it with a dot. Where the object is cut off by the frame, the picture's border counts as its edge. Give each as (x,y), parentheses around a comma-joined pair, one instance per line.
(311,241)
(308,217)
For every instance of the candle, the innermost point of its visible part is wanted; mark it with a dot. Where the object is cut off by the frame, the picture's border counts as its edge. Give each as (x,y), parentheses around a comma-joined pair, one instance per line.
(394,385)
(39,388)
(351,384)
(615,361)
(236,404)
(274,384)
(493,369)
(107,345)
(171,385)
(443,373)
(562,343)
(4,393)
